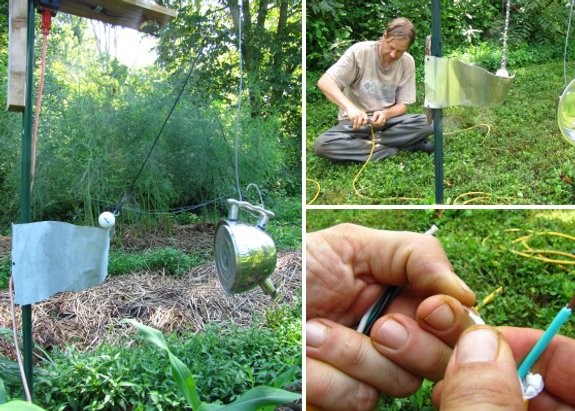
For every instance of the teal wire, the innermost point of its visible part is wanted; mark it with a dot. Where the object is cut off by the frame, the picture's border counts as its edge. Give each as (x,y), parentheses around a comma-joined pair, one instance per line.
(560,319)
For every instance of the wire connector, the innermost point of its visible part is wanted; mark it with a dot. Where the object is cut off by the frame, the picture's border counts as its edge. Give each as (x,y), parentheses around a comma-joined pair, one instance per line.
(532,385)
(46,22)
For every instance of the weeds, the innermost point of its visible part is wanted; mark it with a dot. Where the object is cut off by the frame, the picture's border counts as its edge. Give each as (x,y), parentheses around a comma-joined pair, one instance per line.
(225,363)
(254,398)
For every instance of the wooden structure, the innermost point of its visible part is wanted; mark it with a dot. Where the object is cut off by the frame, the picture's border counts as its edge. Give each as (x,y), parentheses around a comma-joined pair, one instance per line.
(18,12)
(141,15)
(136,14)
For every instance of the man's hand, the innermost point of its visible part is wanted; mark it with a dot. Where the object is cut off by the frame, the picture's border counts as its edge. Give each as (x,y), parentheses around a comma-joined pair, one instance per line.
(347,268)
(482,372)
(357,117)
(379,119)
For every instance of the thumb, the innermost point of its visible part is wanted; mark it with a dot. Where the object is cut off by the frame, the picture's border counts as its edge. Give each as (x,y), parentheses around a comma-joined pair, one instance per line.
(481,374)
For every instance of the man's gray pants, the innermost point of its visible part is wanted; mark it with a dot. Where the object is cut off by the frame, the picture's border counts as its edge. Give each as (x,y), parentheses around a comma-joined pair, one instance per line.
(342,143)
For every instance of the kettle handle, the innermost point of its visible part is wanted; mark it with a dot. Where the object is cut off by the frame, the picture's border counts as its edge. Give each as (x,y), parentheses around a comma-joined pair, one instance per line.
(235,206)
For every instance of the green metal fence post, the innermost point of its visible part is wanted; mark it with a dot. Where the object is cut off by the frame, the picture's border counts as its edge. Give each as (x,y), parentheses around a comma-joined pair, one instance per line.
(437,113)
(25,195)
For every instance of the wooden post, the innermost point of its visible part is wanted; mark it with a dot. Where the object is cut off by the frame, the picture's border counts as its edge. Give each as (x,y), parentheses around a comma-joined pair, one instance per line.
(18,13)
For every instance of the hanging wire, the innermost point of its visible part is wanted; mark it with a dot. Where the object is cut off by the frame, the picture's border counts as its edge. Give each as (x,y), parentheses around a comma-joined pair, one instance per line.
(171,211)
(118,208)
(15,333)
(505,34)
(238,119)
(567,45)
(259,192)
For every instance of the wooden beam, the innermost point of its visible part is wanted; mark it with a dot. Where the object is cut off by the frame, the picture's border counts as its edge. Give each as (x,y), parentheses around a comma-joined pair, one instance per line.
(17,15)
(141,15)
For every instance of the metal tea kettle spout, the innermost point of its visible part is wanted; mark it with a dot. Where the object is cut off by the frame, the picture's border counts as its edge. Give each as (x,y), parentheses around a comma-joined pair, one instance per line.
(245,254)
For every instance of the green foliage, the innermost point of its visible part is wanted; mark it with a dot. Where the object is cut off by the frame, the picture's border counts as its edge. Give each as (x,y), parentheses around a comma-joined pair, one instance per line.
(331,33)
(271,58)
(224,365)
(18,405)
(488,55)
(5,271)
(3,394)
(181,374)
(327,33)
(464,23)
(170,260)
(250,400)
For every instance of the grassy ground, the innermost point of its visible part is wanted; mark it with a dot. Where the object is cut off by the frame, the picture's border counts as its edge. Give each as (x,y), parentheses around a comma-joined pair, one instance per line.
(519,161)
(479,244)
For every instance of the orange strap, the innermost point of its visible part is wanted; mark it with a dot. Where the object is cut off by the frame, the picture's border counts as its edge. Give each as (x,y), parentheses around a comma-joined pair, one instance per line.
(46,26)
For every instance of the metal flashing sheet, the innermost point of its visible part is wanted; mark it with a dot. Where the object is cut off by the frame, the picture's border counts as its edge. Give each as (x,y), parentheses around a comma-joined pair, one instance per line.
(50,257)
(450,82)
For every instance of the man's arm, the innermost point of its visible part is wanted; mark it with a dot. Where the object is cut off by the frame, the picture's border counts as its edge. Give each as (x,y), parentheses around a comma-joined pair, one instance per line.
(331,90)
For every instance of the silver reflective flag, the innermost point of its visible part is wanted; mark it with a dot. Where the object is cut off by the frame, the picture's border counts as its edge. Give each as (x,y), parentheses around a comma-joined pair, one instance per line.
(49,257)
(450,83)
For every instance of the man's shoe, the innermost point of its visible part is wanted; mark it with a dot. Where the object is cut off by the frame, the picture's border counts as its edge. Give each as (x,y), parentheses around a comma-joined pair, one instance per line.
(423,145)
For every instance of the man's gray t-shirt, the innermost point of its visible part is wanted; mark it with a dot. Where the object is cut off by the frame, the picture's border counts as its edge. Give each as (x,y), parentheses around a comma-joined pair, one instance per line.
(369,85)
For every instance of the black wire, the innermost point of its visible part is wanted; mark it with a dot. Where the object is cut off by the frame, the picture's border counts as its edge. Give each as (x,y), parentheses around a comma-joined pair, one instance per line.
(381,306)
(131,189)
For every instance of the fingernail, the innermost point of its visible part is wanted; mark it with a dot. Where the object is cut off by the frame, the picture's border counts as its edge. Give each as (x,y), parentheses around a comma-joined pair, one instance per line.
(462,284)
(315,334)
(391,334)
(479,345)
(441,318)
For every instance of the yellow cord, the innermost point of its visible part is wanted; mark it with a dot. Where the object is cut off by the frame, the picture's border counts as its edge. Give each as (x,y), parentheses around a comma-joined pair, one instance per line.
(476,195)
(450,133)
(363,168)
(537,254)
(480,195)
(316,193)
(488,299)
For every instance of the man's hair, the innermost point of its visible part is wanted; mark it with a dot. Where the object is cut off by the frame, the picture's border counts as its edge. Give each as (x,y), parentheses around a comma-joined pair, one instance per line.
(401,28)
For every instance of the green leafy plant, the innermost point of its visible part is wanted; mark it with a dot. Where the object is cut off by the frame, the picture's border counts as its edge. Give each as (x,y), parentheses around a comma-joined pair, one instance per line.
(14,405)
(253,399)
(18,405)
(171,260)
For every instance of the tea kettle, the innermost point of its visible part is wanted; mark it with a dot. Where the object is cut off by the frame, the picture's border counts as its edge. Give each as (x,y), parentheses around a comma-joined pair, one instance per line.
(245,254)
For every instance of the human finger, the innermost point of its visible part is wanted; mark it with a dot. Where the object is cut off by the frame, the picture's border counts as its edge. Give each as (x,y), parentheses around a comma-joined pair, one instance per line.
(378,119)
(399,258)
(328,388)
(443,316)
(481,374)
(400,339)
(556,364)
(354,354)
(360,120)
(347,263)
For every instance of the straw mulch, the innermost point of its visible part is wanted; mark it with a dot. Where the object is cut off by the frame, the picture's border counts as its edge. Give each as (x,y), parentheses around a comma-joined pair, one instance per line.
(191,302)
